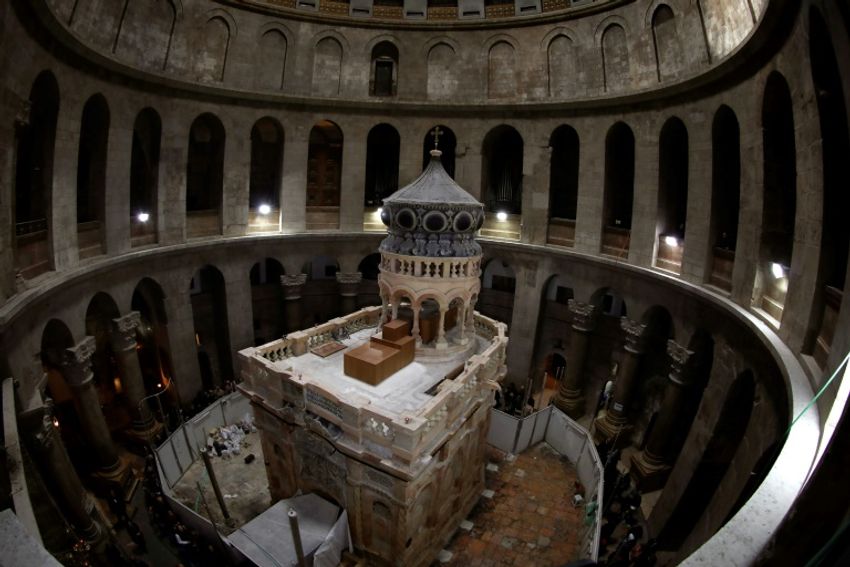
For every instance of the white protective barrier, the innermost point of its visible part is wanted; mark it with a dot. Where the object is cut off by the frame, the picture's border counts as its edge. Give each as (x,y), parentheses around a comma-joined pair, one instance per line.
(181,449)
(177,453)
(514,435)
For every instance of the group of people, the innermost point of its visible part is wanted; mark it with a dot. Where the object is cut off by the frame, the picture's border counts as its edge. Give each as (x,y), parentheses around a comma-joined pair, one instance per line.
(190,546)
(621,535)
(208,396)
(511,400)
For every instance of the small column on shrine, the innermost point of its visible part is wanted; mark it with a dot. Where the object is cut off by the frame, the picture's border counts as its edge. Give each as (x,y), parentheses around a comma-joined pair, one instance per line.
(651,466)
(348,285)
(122,339)
(442,343)
(414,330)
(613,425)
(293,287)
(59,474)
(570,398)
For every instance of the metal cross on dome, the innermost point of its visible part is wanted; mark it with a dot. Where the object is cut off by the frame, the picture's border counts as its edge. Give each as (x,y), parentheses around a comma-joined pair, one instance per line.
(436,132)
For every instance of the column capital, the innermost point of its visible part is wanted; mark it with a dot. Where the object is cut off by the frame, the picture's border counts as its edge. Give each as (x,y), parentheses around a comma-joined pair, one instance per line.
(293,285)
(584,315)
(45,431)
(79,354)
(348,282)
(123,335)
(635,335)
(680,358)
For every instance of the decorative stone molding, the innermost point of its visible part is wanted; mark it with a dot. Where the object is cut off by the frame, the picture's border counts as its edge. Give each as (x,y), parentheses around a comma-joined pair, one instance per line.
(584,315)
(123,335)
(680,358)
(22,116)
(348,282)
(635,335)
(293,285)
(76,362)
(45,433)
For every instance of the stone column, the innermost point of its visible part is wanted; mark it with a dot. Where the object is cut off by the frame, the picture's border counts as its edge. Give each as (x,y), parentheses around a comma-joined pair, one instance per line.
(122,339)
(441,331)
(186,372)
(76,368)
(58,472)
(385,307)
(651,466)
(570,397)
(293,286)
(414,331)
(613,424)
(347,284)
(470,315)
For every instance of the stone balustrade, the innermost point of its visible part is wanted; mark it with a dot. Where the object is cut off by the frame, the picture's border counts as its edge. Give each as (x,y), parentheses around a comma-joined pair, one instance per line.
(422,267)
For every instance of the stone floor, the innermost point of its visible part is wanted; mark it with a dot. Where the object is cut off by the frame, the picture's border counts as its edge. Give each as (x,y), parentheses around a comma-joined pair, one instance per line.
(244,486)
(529,521)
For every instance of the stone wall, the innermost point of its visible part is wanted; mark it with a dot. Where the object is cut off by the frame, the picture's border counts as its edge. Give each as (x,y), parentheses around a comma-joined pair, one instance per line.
(622,49)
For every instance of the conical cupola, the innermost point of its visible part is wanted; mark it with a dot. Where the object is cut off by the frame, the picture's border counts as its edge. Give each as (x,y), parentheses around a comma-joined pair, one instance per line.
(432,216)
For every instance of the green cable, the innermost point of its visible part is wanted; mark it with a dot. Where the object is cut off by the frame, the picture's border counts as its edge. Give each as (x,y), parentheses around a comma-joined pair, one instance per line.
(819,557)
(820,392)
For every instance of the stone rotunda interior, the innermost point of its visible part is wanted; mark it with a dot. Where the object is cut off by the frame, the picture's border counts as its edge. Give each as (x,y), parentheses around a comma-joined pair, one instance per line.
(663,183)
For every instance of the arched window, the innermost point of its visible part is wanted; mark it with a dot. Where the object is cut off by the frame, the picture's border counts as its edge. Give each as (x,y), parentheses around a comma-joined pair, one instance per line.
(502,154)
(382,158)
(266,171)
(205,176)
(672,194)
(384,72)
(619,190)
(272,65)
(327,66)
(324,175)
(91,176)
(212,335)
(561,59)
(615,58)
(563,185)
(725,195)
(668,48)
(144,176)
(501,73)
(267,300)
(780,195)
(34,176)
(442,80)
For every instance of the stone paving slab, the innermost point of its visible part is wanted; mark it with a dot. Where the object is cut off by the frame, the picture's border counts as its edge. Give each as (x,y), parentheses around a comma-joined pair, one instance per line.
(529,521)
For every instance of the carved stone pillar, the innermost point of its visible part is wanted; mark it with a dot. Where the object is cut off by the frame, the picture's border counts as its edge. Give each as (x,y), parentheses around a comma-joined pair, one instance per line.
(470,315)
(613,424)
(570,398)
(122,339)
(441,331)
(414,331)
(59,474)
(293,287)
(347,284)
(76,368)
(651,466)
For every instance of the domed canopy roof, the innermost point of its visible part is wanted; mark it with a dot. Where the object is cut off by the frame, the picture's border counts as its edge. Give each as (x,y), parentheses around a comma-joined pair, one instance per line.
(433,216)
(434,185)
